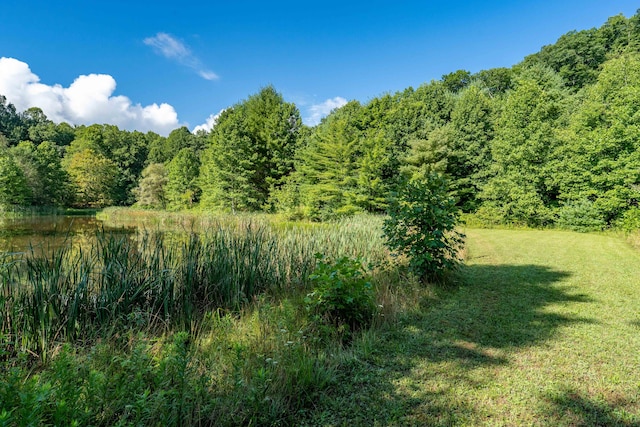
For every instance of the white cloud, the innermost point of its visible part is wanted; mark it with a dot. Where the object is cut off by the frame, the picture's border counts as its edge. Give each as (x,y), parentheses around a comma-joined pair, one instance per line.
(317,111)
(88,100)
(207,75)
(211,121)
(168,46)
(171,48)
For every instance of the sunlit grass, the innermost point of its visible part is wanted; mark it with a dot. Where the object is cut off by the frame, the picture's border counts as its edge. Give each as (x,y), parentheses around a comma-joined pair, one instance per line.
(538,328)
(542,329)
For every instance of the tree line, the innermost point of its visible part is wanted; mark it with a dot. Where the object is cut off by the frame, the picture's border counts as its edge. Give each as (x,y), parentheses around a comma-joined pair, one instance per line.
(552,140)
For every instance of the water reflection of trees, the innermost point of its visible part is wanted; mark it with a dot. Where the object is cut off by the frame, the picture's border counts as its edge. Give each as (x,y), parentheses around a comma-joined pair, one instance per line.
(44,234)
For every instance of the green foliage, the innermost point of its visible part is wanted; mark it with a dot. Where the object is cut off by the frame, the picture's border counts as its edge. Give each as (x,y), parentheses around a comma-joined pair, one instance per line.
(93,178)
(342,293)
(163,150)
(630,220)
(127,151)
(421,226)
(601,149)
(575,56)
(109,387)
(12,124)
(457,80)
(327,171)
(524,151)
(250,152)
(286,199)
(151,192)
(427,156)
(581,216)
(513,199)
(347,163)
(578,55)
(47,180)
(41,129)
(373,173)
(469,146)
(182,189)
(122,306)
(227,167)
(496,81)
(159,284)
(14,187)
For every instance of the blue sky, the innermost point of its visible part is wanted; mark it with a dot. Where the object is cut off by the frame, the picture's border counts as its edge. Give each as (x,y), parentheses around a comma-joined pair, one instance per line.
(158,65)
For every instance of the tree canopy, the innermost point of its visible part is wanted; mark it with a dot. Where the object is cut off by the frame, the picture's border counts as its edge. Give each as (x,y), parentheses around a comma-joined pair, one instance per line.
(551,140)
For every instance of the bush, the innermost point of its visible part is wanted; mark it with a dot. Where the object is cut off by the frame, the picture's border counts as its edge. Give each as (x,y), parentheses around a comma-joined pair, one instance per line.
(630,220)
(580,216)
(342,293)
(421,226)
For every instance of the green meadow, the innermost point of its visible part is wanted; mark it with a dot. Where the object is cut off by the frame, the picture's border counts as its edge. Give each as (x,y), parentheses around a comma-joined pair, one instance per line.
(542,328)
(538,327)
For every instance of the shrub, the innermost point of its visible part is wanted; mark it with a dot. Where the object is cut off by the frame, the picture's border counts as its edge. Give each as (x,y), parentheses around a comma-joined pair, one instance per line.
(630,220)
(342,293)
(580,215)
(421,226)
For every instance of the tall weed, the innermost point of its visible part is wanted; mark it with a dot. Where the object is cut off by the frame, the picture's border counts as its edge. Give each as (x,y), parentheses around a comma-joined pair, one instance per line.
(162,280)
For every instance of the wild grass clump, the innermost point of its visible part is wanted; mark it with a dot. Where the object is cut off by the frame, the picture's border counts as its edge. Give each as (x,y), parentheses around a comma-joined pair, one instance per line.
(255,368)
(206,326)
(160,281)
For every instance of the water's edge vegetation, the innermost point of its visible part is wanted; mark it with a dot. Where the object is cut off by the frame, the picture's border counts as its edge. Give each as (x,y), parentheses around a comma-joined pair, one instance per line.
(141,311)
(205,320)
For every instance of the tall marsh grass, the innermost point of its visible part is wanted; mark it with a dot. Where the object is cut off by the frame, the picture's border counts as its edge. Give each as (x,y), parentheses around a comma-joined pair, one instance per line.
(165,280)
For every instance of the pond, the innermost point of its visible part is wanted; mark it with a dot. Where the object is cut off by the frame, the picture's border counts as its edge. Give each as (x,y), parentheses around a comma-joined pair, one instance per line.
(47,232)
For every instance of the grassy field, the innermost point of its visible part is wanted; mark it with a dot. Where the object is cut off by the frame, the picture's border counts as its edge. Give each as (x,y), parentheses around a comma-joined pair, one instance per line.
(538,328)
(542,328)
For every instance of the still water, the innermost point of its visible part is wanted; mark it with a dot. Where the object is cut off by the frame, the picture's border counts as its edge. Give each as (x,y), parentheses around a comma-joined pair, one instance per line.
(43,233)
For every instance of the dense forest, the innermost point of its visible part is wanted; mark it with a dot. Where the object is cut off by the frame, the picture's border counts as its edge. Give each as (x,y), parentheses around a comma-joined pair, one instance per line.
(552,140)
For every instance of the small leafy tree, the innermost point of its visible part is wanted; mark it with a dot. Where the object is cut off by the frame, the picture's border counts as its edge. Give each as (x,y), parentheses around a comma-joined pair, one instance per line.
(93,177)
(421,226)
(151,192)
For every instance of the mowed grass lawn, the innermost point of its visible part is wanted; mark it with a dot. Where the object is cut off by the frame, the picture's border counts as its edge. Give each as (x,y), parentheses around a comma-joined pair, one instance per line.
(542,328)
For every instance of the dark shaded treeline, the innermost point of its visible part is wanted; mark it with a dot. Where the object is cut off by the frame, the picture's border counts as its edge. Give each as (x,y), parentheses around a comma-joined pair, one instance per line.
(553,139)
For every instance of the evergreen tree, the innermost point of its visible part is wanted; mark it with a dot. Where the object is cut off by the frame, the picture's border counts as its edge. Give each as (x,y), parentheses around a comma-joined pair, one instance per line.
(327,170)
(250,152)
(228,164)
(373,180)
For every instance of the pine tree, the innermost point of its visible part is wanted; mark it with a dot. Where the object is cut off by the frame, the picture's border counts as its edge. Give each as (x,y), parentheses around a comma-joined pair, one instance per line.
(250,152)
